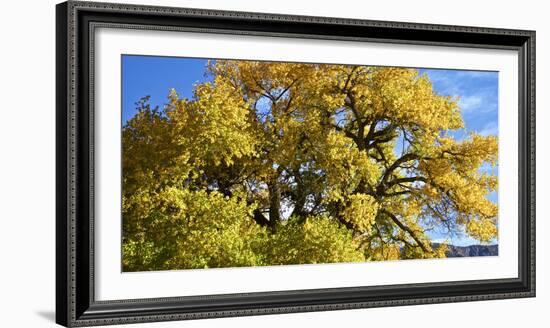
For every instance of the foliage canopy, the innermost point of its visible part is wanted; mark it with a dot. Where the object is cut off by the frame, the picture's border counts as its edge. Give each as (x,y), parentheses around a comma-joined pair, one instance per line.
(288,163)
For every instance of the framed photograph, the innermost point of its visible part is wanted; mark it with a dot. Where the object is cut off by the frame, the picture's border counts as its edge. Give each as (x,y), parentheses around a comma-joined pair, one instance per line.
(215,164)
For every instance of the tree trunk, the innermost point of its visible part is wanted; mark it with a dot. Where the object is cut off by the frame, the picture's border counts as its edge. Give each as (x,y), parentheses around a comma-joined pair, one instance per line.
(299,197)
(274,203)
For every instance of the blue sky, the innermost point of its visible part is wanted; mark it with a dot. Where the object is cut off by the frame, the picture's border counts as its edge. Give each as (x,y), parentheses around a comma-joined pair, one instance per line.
(153,76)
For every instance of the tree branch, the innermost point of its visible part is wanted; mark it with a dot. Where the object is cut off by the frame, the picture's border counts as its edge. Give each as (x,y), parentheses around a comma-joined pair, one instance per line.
(397,193)
(403,159)
(407,229)
(404,180)
(348,133)
(260,218)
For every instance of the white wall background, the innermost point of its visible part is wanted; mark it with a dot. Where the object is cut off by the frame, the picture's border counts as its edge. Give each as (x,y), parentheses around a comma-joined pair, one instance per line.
(27,161)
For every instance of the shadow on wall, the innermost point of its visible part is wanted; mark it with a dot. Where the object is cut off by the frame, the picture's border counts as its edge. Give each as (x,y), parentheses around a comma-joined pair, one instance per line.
(48,315)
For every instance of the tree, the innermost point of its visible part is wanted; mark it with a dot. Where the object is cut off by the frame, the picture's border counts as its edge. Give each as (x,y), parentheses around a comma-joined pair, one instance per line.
(362,159)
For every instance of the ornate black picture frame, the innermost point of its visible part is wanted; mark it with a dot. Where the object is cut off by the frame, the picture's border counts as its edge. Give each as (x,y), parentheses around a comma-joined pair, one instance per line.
(75,301)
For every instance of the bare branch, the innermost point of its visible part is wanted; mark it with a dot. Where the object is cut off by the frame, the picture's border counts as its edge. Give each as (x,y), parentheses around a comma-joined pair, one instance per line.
(407,229)
(404,180)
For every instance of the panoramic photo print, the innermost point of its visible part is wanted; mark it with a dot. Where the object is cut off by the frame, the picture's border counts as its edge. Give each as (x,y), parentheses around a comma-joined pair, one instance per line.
(240,163)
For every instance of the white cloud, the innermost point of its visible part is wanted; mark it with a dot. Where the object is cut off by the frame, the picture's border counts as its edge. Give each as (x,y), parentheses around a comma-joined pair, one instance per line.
(475,99)
(480,102)
(475,74)
(490,128)
(471,103)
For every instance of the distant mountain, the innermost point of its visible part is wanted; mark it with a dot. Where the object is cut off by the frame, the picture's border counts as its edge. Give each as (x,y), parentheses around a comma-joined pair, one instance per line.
(472,250)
